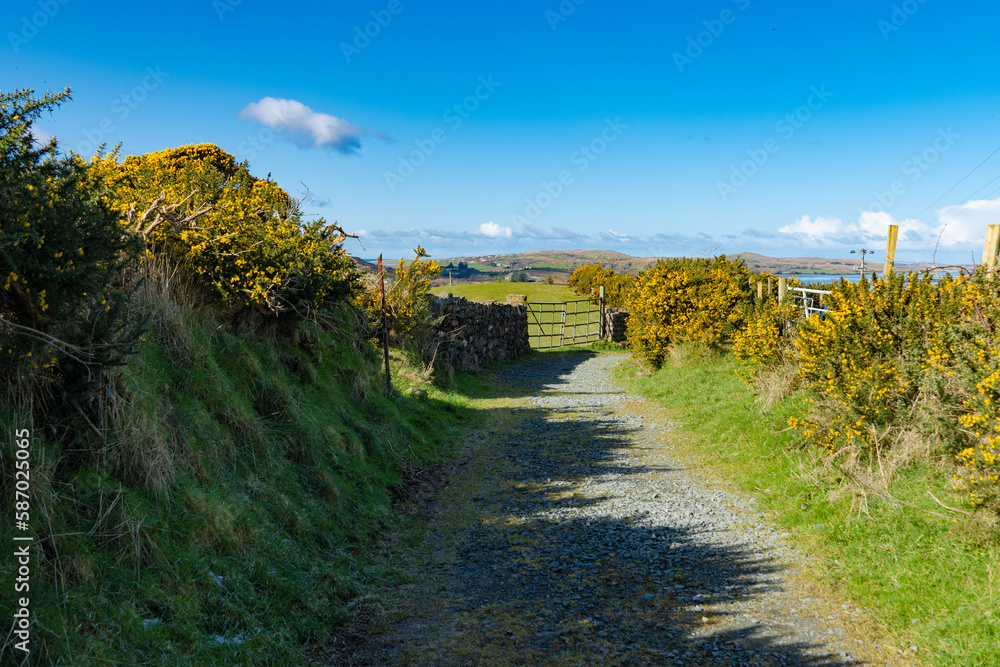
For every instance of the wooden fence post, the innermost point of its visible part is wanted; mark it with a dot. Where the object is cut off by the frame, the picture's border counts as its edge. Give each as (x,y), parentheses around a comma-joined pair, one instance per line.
(385,328)
(890,251)
(991,247)
(600,329)
(782,288)
(760,290)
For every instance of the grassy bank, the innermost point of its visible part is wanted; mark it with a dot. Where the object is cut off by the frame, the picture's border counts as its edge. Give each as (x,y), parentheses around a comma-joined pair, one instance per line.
(925,572)
(228,517)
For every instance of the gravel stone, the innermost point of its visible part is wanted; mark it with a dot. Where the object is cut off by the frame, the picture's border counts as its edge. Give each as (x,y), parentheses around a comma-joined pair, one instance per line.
(591,542)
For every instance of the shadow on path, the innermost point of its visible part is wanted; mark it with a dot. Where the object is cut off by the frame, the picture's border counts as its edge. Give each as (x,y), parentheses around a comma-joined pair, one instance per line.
(560,565)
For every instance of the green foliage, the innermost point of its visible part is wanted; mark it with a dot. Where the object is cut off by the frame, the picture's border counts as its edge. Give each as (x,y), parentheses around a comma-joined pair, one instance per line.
(701,300)
(766,340)
(62,254)
(900,562)
(589,278)
(247,482)
(518,277)
(407,302)
(584,279)
(242,235)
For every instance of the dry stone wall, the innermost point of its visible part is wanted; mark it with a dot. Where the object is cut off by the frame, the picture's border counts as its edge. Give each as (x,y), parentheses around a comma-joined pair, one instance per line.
(615,324)
(469,334)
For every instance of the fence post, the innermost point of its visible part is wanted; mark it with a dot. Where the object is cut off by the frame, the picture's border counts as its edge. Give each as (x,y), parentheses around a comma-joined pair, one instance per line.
(760,290)
(600,329)
(782,288)
(991,247)
(385,328)
(890,251)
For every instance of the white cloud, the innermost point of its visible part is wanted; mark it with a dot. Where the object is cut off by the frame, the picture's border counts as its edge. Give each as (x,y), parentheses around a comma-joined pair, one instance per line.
(553,233)
(305,126)
(966,223)
(614,236)
(494,231)
(870,227)
(40,137)
(818,230)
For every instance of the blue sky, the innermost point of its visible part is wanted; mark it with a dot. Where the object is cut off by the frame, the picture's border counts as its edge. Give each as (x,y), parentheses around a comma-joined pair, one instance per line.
(652,128)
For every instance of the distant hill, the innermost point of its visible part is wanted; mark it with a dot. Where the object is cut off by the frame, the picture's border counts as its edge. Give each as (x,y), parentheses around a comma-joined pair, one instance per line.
(819,265)
(373,268)
(557,264)
(560,264)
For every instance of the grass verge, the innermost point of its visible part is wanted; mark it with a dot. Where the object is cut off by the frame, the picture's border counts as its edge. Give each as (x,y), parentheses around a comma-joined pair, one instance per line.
(228,517)
(929,579)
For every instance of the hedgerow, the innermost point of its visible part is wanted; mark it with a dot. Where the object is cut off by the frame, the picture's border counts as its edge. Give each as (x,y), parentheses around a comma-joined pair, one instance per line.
(901,358)
(244,236)
(589,278)
(701,300)
(765,342)
(407,302)
(63,303)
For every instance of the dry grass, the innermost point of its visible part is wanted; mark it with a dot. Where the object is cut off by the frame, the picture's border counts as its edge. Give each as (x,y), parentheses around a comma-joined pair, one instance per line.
(139,446)
(773,385)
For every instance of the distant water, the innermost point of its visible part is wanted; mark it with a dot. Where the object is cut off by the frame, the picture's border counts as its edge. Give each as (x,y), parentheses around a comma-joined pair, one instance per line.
(825,278)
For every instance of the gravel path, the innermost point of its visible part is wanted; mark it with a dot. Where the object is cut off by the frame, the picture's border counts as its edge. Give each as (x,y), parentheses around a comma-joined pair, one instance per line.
(574,537)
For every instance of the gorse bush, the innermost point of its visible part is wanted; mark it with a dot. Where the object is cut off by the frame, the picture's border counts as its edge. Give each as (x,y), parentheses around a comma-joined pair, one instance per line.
(407,302)
(897,359)
(244,236)
(871,360)
(766,340)
(589,278)
(969,355)
(678,300)
(585,278)
(62,254)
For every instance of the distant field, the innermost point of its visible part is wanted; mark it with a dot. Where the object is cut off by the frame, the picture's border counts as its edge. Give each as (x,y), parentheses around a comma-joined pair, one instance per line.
(544,323)
(536,292)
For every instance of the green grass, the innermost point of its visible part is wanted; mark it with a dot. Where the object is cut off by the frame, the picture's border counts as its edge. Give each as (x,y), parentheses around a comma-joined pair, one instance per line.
(231,517)
(903,564)
(541,321)
(536,292)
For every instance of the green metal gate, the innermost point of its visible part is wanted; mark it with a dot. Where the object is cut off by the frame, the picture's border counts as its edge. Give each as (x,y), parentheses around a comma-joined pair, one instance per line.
(565,323)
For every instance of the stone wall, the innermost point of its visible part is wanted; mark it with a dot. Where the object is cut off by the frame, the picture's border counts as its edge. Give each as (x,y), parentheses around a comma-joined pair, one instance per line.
(470,334)
(615,324)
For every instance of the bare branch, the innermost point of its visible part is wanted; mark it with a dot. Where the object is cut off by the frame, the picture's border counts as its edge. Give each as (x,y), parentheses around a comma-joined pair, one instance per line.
(157,214)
